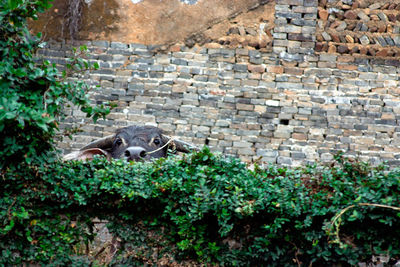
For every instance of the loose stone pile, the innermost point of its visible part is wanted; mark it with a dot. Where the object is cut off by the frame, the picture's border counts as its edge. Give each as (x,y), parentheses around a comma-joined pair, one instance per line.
(359,28)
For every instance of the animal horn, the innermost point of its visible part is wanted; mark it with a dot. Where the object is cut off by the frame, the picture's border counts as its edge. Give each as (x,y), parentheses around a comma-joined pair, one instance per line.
(102,143)
(183,146)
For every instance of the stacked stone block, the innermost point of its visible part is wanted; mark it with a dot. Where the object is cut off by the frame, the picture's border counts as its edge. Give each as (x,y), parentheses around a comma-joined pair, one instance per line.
(294,31)
(359,27)
(290,106)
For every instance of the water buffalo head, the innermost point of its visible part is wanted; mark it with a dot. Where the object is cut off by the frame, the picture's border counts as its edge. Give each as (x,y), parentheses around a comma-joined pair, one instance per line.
(133,143)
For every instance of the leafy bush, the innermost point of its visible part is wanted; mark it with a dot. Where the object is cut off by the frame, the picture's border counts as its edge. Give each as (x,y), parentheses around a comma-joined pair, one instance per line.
(201,207)
(32,96)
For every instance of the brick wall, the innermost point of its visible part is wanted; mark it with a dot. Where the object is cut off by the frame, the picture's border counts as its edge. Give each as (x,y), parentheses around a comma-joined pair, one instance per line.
(301,102)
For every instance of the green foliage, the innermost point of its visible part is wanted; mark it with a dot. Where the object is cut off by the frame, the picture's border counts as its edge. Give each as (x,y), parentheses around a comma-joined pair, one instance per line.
(200,207)
(32,96)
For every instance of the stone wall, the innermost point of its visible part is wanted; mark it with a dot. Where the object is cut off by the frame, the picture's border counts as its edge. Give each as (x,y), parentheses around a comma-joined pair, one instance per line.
(299,103)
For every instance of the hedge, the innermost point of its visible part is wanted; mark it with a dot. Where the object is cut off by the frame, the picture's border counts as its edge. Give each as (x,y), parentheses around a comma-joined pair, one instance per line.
(200,208)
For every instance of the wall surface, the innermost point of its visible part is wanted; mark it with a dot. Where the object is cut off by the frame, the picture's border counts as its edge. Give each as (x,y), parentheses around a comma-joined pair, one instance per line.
(155,22)
(300,99)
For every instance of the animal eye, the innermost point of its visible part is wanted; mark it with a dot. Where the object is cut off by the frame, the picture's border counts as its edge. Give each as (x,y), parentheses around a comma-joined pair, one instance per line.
(118,142)
(156,141)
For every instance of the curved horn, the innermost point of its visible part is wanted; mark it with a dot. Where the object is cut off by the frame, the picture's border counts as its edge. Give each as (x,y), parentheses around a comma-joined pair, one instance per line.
(103,143)
(183,146)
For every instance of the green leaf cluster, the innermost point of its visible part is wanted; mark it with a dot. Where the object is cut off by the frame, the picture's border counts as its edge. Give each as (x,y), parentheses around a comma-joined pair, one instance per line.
(201,208)
(32,94)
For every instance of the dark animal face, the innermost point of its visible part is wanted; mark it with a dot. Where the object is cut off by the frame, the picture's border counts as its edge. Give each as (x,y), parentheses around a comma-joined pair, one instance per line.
(139,143)
(135,143)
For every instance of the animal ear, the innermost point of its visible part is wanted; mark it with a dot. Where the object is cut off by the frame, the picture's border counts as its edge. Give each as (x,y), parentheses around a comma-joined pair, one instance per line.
(87,154)
(104,143)
(180,145)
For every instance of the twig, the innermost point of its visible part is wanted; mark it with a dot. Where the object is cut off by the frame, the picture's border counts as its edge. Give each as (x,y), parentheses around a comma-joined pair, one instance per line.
(9,208)
(338,216)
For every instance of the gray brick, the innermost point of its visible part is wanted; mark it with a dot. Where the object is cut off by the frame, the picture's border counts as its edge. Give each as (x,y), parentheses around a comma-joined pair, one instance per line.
(118,45)
(290,2)
(101,43)
(138,46)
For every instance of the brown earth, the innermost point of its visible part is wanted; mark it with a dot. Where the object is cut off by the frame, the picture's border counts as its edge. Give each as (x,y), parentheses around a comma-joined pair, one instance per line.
(162,22)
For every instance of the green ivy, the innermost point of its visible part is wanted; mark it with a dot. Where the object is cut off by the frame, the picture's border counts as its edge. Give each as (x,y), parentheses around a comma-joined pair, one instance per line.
(33,95)
(203,208)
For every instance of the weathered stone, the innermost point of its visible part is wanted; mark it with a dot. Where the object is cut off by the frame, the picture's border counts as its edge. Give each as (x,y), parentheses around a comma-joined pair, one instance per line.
(396,40)
(342,26)
(363,28)
(335,37)
(278,69)
(392,17)
(363,16)
(323,14)
(256,68)
(300,37)
(349,39)
(342,49)
(389,41)
(375,6)
(382,28)
(383,16)
(381,41)
(332,49)
(350,14)
(382,53)
(326,36)
(364,40)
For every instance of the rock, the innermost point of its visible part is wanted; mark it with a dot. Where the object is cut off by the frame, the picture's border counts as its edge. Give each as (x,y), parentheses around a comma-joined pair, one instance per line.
(383,16)
(319,46)
(363,50)
(392,17)
(371,52)
(382,28)
(351,26)
(373,29)
(251,31)
(242,31)
(342,49)
(382,53)
(323,14)
(355,5)
(332,49)
(354,50)
(326,36)
(396,40)
(364,28)
(342,26)
(375,6)
(364,40)
(335,38)
(363,16)
(350,14)
(349,39)
(382,41)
